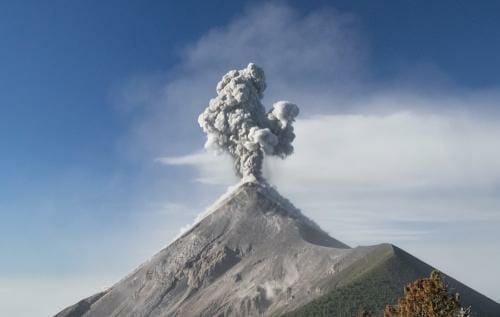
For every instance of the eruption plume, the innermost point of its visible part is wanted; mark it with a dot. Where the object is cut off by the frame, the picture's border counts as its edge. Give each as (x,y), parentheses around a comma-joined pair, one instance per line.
(236,122)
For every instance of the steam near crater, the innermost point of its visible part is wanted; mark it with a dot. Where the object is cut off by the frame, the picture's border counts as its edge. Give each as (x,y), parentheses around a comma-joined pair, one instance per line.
(236,122)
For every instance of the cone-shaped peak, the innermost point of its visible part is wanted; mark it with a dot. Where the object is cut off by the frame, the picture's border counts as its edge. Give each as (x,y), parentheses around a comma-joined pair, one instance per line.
(257,203)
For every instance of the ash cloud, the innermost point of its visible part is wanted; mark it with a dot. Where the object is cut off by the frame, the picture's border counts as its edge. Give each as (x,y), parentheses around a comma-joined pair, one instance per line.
(236,122)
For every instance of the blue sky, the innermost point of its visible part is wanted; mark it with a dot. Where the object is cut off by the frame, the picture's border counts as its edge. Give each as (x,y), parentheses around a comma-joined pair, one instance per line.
(94,93)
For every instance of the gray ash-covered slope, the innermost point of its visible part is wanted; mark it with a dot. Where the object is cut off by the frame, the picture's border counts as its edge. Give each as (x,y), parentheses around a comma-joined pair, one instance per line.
(255,254)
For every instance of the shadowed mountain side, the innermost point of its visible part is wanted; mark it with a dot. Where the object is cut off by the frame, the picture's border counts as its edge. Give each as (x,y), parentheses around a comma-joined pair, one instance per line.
(254,254)
(378,279)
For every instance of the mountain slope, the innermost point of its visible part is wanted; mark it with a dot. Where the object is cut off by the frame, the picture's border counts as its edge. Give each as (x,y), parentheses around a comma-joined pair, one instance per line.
(377,280)
(254,254)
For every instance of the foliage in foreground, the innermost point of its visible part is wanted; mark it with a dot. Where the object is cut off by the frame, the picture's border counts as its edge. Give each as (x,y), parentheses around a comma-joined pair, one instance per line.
(427,297)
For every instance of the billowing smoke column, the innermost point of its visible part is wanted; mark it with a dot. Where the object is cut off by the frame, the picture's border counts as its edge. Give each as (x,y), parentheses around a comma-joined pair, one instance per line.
(236,121)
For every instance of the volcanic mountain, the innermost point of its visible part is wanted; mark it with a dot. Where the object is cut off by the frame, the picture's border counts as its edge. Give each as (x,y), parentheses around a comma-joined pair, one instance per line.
(254,254)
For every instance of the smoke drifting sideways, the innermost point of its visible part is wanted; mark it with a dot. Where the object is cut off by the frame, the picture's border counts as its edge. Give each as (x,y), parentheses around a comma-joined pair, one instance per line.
(236,122)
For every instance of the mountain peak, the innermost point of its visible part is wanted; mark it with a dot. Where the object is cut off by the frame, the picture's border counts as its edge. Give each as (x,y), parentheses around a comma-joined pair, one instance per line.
(251,202)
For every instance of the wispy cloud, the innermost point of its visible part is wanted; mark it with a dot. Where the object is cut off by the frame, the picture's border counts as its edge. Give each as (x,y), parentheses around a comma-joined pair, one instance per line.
(212,169)
(398,151)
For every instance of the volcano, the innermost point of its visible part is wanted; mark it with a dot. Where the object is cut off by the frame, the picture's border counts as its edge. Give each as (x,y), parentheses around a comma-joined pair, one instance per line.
(255,254)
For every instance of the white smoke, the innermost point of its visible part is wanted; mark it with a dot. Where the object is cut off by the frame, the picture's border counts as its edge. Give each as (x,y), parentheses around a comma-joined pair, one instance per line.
(236,121)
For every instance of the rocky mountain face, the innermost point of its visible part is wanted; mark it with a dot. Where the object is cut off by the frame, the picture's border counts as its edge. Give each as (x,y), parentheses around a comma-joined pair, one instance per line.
(255,254)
